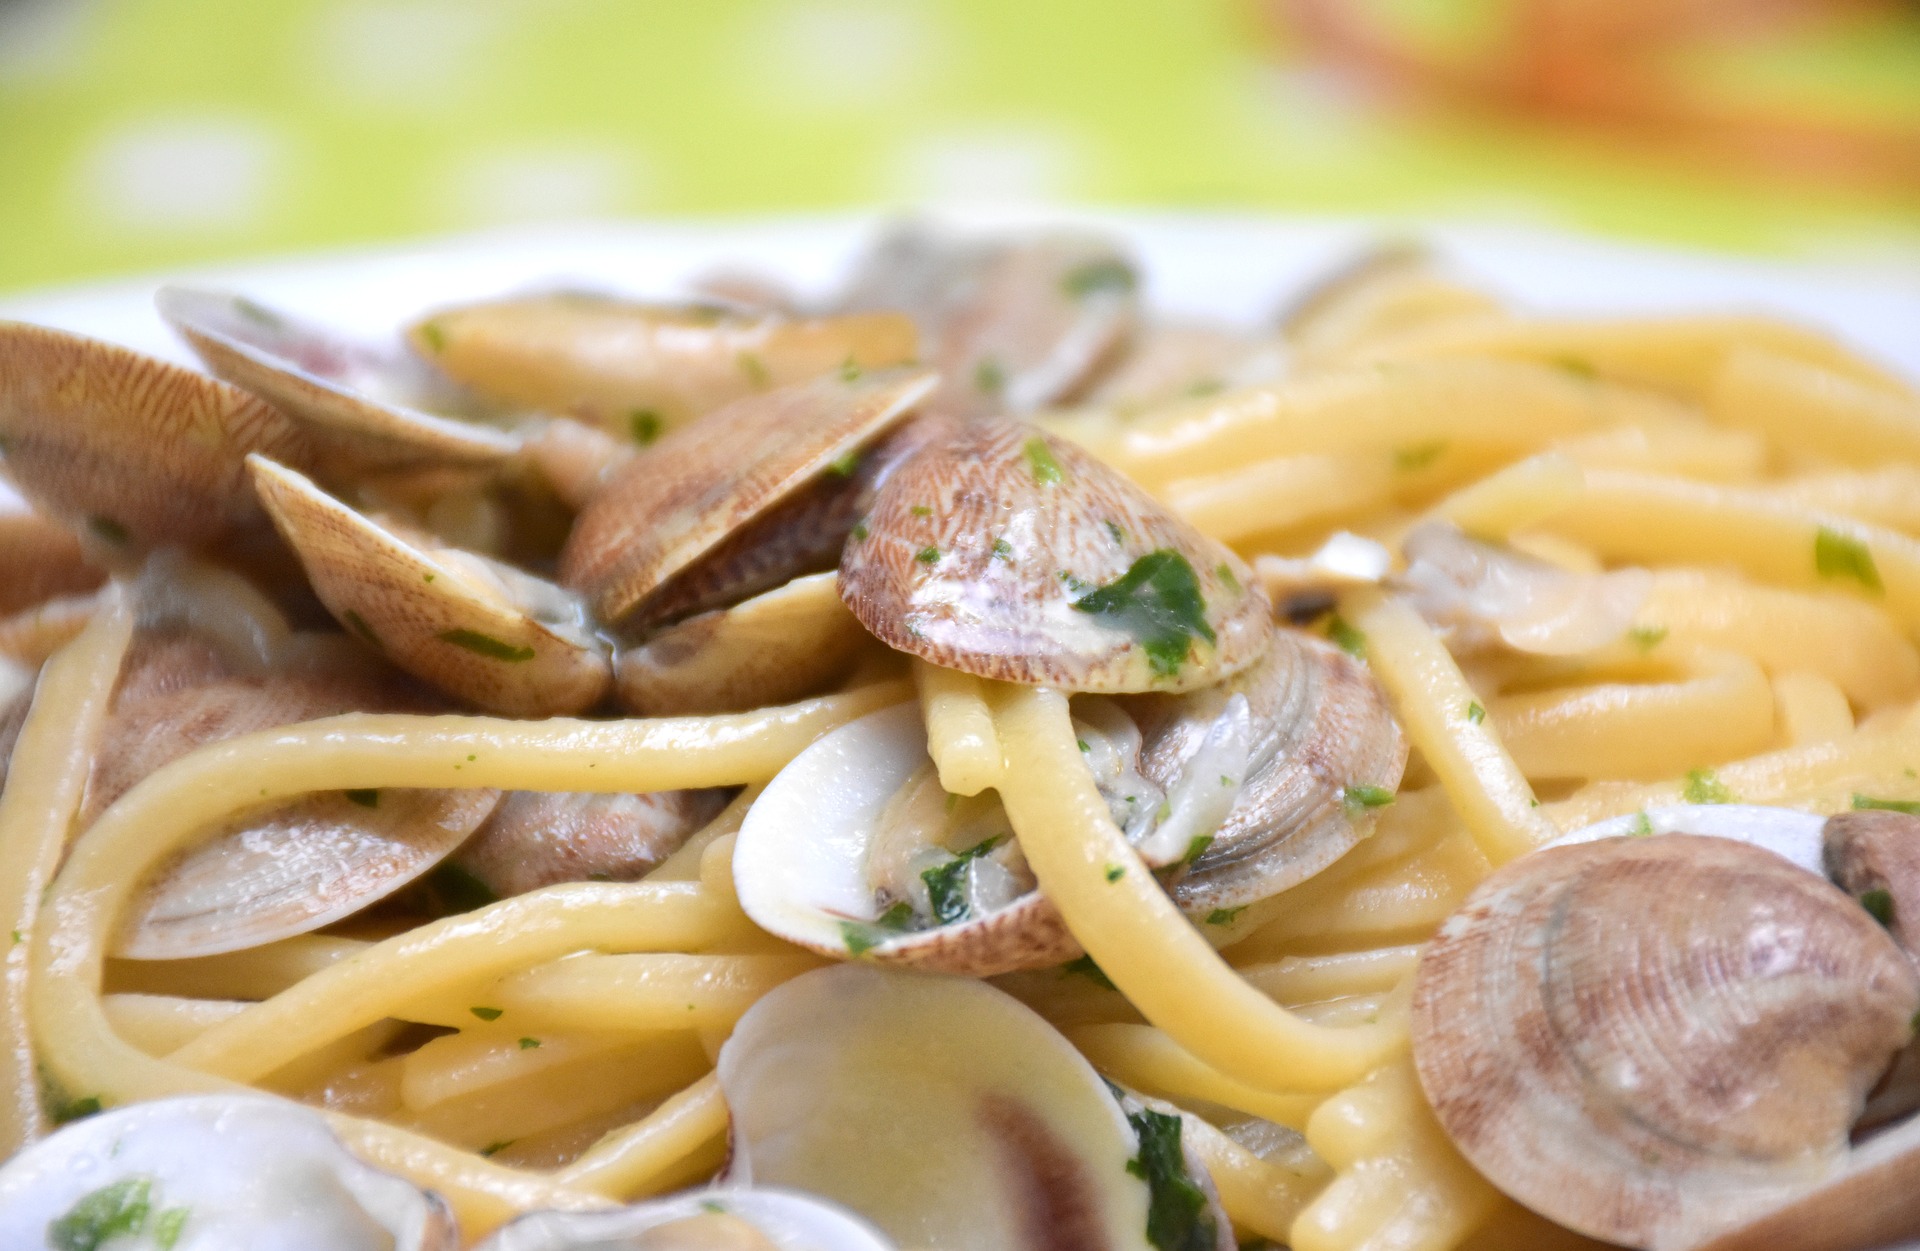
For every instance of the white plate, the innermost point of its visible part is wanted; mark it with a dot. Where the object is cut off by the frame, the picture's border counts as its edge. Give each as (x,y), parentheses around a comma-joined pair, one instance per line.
(1222,265)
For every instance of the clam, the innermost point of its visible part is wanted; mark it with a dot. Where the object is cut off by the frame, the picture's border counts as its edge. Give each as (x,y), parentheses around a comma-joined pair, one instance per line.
(362,407)
(640,370)
(1483,594)
(538,838)
(1012,324)
(39,560)
(1320,733)
(208,1173)
(1874,855)
(677,506)
(721,1219)
(1655,1041)
(128,451)
(290,870)
(1794,836)
(1010,554)
(472,626)
(776,646)
(1013,1141)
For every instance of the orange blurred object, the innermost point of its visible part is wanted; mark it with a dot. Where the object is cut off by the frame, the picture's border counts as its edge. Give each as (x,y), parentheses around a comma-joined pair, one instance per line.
(1607,66)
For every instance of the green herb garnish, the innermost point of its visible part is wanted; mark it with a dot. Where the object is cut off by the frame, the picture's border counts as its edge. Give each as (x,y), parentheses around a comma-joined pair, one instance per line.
(1346,638)
(1106,274)
(488,1014)
(1196,848)
(366,798)
(927,555)
(433,336)
(1837,555)
(1046,469)
(1224,572)
(1085,967)
(360,626)
(109,1212)
(485,645)
(849,370)
(1178,1216)
(456,890)
(899,917)
(1646,638)
(1879,905)
(754,368)
(843,466)
(1002,550)
(1578,366)
(528,1044)
(989,377)
(1115,872)
(167,1227)
(1158,601)
(495,1148)
(1419,456)
(946,884)
(1865,803)
(645,425)
(1475,713)
(1703,787)
(1224,916)
(861,936)
(1363,796)
(1642,826)
(859,531)
(67,1111)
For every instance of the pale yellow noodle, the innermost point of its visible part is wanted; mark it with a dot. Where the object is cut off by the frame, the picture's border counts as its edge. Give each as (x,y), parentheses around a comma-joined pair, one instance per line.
(641,993)
(1888,495)
(456,1065)
(1814,408)
(1809,709)
(1118,912)
(636,1160)
(1285,491)
(158,1023)
(1259,1195)
(1392,904)
(960,735)
(1688,450)
(45,780)
(1308,979)
(254,973)
(1144,1058)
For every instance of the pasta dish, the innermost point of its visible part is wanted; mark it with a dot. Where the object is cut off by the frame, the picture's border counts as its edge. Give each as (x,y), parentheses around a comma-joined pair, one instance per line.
(967,762)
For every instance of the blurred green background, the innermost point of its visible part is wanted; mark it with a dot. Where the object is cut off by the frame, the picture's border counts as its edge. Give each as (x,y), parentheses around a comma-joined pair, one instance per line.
(142,133)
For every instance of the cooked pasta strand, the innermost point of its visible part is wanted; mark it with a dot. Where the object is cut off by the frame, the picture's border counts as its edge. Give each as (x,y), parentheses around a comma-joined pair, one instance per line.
(960,735)
(1144,1058)
(640,1159)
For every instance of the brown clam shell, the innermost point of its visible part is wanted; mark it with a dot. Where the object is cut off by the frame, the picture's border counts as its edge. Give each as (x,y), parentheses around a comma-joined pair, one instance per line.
(128,450)
(640,370)
(1652,1040)
(346,395)
(1322,724)
(423,614)
(977,548)
(538,838)
(1879,850)
(677,502)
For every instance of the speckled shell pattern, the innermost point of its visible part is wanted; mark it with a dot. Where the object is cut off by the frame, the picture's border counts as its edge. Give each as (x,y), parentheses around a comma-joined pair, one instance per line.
(972,558)
(1651,1039)
(320,379)
(679,500)
(129,450)
(393,597)
(1026,934)
(1321,724)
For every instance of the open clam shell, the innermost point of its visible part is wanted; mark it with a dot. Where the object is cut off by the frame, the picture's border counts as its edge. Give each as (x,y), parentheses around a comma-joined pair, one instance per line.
(290,870)
(1014,1142)
(362,407)
(800,862)
(1010,554)
(473,627)
(39,560)
(210,1173)
(679,501)
(640,370)
(1012,324)
(773,648)
(721,1219)
(1321,732)
(130,451)
(538,838)
(1653,1040)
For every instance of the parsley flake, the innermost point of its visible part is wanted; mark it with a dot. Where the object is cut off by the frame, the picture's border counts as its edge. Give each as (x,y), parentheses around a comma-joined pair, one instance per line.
(1346,638)
(167,1227)
(1178,1215)
(946,883)
(1866,803)
(528,1044)
(102,1215)
(1108,274)
(488,1014)
(989,377)
(1361,797)
(1879,905)
(1158,601)
(1002,550)
(1224,916)
(1837,555)
(485,645)
(1703,787)
(1046,468)
(1115,872)
(1419,456)
(927,555)
(645,425)
(1085,967)
(754,368)
(845,464)
(1475,713)
(1646,638)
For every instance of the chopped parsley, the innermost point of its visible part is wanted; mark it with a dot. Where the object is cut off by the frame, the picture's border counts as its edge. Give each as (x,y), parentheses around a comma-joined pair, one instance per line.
(1204,387)
(1224,572)
(1419,456)
(861,936)
(485,645)
(1867,803)
(1095,277)
(433,336)
(108,529)
(921,510)
(18,937)
(849,370)
(1118,535)
(1704,787)
(1361,797)
(1879,905)
(258,314)
(1837,555)
(1085,967)
(488,1014)
(1646,638)
(1178,1215)
(1046,468)
(528,1044)
(1115,872)
(64,1111)
(1197,847)
(989,377)
(1578,366)
(645,425)
(495,1148)
(843,466)
(1642,826)
(1002,550)
(946,884)
(366,798)
(102,1215)
(927,555)
(1081,743)
(754,368)
(1475,713)
(1158,601)
(167,1227)
(1224,916)
(859,531)
(1346,638)
(454,889)
(899,917)
(360,626)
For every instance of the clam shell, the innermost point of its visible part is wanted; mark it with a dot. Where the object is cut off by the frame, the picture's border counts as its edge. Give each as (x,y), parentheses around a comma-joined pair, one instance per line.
(1321,724)
(799,864)
(130,451)
(361,407)
(295,868)
(39,559)
(679,501)
(234,1170)
(720,1219)
(538,838)
(1012,1141)
(640,370)
(1649,1040)
(1878,850)
(771,649)
(1012,324)
(977,549)
(484,632)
